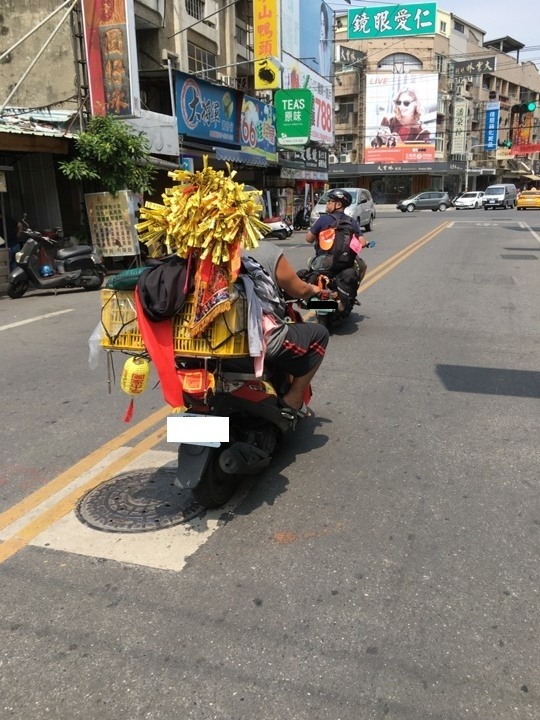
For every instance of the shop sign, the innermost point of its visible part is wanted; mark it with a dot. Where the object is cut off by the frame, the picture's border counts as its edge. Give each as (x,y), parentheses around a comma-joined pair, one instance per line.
(298,75)
(112,223)
(111,57)
(206,111)
(467,68)
(293,116)
(380,22)
(459,136)
(266,44)
(491,133)
(258,128)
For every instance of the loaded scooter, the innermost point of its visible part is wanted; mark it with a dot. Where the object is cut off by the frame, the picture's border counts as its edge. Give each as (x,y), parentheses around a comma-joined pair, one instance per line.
(75,267)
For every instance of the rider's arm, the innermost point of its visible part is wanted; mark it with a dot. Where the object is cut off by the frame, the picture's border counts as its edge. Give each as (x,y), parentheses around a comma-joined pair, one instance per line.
(288,280)
(310,237)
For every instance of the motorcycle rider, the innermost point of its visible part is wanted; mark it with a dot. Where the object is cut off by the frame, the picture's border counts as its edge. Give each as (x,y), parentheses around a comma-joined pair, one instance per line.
(298,348)
(347,280)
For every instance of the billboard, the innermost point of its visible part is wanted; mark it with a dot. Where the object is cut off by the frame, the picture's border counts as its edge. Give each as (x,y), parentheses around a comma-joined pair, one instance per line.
(401,115)
(396,21)
(258,128)
(298,75)
(459,132)
(293,116)
(309,40)
(111,56)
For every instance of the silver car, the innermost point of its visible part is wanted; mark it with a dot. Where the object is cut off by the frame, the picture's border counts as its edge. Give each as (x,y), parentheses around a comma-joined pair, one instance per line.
(362,208)
(472,199)
(431,200)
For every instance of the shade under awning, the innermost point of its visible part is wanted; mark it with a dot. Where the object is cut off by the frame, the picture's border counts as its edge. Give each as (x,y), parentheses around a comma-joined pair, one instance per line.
(239,156)
(532,177)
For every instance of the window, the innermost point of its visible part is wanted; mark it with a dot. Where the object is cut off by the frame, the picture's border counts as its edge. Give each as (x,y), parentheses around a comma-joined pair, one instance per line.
(200,60)
(459,27)
(346,108)
(400,62)
(195,8)
(442,27)
(345,143)
(241,36)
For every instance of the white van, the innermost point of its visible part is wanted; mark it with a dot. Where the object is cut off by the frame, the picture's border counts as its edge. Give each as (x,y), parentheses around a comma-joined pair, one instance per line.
(503,196)
(362,208)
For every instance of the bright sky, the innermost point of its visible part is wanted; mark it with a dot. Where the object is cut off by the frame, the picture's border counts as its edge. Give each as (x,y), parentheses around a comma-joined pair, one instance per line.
(520,20)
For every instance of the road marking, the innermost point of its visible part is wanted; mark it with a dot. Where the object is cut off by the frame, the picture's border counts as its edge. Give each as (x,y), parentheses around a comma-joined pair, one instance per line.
(529,228)
(387,266)
(35,319)
(44,520)
(44,493)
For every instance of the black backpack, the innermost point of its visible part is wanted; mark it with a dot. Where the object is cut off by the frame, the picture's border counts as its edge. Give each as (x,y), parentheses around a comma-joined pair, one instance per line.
(339,256)
(163,288)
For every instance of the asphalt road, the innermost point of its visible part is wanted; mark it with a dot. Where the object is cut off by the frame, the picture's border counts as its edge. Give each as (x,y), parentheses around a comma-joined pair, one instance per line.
(384,566)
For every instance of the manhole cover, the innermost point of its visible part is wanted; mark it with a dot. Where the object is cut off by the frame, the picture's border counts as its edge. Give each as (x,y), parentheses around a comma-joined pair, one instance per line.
(138,501)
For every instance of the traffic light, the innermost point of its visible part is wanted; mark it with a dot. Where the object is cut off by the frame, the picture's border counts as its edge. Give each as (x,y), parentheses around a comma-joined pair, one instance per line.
(524,108)
(505,143)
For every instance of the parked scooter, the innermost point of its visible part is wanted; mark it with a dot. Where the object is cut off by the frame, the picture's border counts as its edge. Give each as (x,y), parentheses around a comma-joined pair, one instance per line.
(228,388)
(279,229)
(39,267)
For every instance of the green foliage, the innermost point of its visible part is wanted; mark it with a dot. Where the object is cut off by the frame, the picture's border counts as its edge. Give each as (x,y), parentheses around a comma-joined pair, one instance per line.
(111,152)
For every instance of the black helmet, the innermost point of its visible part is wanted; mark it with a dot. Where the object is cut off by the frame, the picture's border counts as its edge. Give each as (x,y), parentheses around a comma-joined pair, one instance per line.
(340,196)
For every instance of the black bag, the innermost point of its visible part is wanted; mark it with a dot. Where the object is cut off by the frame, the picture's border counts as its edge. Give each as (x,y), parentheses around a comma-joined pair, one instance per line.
(338,256)
(163,288)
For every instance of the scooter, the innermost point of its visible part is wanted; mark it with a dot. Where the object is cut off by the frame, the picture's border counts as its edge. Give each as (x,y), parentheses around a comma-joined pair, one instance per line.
(279,229)
(66,268)
(325,313)
(301,219)
(228,389)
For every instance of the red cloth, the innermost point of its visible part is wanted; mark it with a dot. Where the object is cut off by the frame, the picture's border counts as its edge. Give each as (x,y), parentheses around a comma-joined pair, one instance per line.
(158,338)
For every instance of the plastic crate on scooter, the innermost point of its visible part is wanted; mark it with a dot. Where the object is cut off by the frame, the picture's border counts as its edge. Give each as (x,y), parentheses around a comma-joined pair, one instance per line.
(226,336)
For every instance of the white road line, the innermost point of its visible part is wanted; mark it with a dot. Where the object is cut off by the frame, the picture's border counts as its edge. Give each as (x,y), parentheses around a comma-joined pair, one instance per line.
(529,228)
(34,319)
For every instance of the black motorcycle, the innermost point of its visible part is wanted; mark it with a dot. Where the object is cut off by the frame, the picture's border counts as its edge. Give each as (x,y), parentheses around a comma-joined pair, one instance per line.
(39,266)
(301,220)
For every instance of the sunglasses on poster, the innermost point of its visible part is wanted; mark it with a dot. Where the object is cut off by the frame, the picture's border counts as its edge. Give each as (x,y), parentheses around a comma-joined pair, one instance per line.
(406,103)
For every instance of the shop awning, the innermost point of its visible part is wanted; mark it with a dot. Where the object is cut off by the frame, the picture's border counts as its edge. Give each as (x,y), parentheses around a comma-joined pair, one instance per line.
(240,156)
(532,177)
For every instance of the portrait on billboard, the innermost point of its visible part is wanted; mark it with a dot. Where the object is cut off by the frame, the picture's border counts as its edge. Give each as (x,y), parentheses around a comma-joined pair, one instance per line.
(315,44)
(401,115)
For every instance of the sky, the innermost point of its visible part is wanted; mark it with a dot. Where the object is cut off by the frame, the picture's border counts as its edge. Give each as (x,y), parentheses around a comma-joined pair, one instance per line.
(520,20)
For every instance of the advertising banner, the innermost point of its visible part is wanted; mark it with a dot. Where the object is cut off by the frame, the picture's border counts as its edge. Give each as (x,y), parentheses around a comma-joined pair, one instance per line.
(293,116)
(459,133)
(401,114)
(467,68)
(258,128)
(266,43)
(298,75)
(522,124)
(112,223)
(397,21)
(491,134)
(206,111)
(113,73)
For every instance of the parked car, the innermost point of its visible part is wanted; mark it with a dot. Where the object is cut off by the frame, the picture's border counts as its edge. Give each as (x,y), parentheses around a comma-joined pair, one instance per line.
(503,196)
(432,200)
(362,207)
(529,199)
(473,199)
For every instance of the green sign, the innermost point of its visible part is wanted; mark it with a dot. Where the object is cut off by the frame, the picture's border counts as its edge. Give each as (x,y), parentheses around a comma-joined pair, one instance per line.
(392,21)
(293,116)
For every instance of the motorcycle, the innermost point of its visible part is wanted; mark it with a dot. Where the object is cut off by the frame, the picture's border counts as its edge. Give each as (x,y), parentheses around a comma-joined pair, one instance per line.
(301,219)
(326,313)
(227,390)
(38,266)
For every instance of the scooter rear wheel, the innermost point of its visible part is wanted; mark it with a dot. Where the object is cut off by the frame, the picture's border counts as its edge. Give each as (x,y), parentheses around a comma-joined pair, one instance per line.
(93,281)
(17,289)
(216,486)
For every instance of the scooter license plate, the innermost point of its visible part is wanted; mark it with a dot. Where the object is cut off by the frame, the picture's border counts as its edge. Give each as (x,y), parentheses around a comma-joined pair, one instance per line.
(193,429)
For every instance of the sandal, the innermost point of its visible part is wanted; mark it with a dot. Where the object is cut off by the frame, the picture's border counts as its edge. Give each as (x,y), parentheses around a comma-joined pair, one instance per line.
(293,413)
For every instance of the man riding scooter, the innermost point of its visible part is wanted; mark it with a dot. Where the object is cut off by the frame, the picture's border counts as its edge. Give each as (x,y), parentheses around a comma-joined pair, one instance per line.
(349,272)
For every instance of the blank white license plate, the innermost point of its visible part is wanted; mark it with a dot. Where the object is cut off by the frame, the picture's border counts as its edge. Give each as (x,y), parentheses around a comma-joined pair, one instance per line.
(192,429)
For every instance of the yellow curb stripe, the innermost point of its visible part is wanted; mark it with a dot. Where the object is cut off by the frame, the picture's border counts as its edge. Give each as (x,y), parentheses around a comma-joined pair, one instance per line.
(22,538)
(87,463)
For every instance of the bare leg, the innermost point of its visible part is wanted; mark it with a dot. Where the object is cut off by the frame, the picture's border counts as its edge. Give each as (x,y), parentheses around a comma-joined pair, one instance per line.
(294,397)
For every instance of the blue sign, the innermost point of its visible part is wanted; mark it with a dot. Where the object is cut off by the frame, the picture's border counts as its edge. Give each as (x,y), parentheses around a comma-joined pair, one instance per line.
(491,134)
(206,111)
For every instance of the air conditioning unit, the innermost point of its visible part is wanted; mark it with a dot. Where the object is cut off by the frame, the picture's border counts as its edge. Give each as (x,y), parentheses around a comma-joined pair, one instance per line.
(345,158)
(333,159)
(228,80)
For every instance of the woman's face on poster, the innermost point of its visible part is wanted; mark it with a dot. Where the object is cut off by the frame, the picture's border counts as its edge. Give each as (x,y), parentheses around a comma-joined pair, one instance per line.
(406,108)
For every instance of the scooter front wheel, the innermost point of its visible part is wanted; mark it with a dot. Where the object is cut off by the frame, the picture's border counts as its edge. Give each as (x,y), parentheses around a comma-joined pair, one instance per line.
(17,288)
(93,281)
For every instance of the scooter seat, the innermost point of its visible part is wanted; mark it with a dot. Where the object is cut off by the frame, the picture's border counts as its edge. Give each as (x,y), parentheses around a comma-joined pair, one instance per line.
(71,252)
